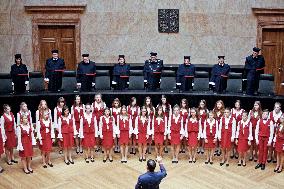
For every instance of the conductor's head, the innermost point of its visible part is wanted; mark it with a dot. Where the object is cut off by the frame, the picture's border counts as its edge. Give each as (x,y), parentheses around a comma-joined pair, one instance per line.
(151,165)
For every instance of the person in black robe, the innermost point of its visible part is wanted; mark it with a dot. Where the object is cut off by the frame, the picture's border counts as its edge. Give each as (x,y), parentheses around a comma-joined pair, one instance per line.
(86,74)
(219,75)
(152,72)
(121,73)
(185,75)
(54,69)
(254,66)
(19,74)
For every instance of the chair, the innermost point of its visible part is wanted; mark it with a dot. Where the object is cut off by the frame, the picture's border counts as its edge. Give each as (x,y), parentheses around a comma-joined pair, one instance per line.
(36,81)
(69,82)
(136,80)
(201,81)
(168,80)
(234,83)
(6,83)
(266,84)
(102,80)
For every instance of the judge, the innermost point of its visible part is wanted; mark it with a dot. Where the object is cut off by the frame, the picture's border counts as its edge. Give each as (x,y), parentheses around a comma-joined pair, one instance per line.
(185,75)
(121,73)
(19,74)
(54,68)
(152,72)
(254,66)
(86,73)
(219,75)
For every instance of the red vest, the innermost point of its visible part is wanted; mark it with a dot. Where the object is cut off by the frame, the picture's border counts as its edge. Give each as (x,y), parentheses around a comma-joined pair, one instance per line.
(88,128)
(9,124)
(124,126)
(192,126)
(264,128)
(175,127)
(77,114)
(43,129)
(210,133)
(21,116)
(229,125)
(107,127)
(65,127)
(244,130)
(142,128)
(159,128)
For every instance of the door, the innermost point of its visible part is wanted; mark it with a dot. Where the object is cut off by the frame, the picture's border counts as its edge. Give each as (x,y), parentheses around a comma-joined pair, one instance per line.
(61,38)
(273,52)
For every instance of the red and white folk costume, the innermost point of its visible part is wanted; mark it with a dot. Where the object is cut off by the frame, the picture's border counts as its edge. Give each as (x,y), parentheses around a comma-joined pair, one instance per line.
(263,136)
(9,127)
(254,117)
(88,130)
(124,129)
(134,112)
(108,131)
(39,117)
(26,140)
(244,135)
(184,113)
(57,115)
(142,129)
(279,139)
(67,131)
(45,134)
(275,117)
(159,129)
(77,113)
(193,131)
(237,114)
(98,109)
(175,129)
(20,115)
(210,132)
(227,131)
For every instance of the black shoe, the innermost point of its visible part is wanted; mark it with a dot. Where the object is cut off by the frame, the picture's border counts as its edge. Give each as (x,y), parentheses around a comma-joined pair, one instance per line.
(232,156)
(275,170)
(67,163)
(14,161)
(263,167)
(77,151)
(110,160)
(236,157)
(194,161)
(31,171)
(269,161)
(258,166)
(81,151)
(144,159)
(244,164)
(44,166)
(60,152)
(140,159)
(227,164)
(176,161)
(26,172)
(255,160)
(279,171)
(72,162)
(206,162)
(222,163)
(239,164)
(190,161)
(50,164)
(2,170)
(87,160)
(211,162)
(9,163)
(92,160)
(104,160)
(274,161)
(250,159)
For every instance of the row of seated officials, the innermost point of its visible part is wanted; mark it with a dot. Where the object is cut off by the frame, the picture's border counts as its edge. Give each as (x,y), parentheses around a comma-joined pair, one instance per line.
(153,75)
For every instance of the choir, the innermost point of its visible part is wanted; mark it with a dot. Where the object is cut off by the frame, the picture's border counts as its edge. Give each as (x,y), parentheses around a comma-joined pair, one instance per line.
(232,133)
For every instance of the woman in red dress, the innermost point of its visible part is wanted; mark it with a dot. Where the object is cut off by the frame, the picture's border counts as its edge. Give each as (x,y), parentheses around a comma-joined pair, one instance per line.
(279,145)
(193,132)
(226,137)
(243,137)
(2,142)
(210,135)
(98,108)
(175,132)
(218,110)
(254,114)
(202,112)
(115,111)
(57,115)
(151,112)
(46,136)
(125,130)
(42,107)
(88,132)
(108,133)
(142,132)
(184,111)
(134,111)
(77,111)
(67,133)
(9,125)
(159,125)
(24,111)
(236,112)
(26,140)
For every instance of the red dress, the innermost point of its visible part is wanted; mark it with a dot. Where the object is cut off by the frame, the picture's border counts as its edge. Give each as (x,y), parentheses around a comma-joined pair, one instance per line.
(124,127)
(134,112)
(11,140)
(89,132)
(115,112)
(77,114)
(279,139)
(203,117)
(184,115)
(192,131)
(1,143)
(142,130)
(45,132)
(98,111)
(243,137)
(175,130)
(211,133)
(226,132)
(107,132)
(67,132)
(26,139)
(159,131)
(253,121)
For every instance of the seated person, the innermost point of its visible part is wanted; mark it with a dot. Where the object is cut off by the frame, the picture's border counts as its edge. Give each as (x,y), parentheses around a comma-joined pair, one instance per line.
(121,73)
(185,75)
(19,74)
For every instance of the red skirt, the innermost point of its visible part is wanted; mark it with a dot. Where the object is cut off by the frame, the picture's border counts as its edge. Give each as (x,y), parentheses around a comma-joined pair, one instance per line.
(28,148)
(77,123)
(279,145)
(107,142)
(159,138)
(11,141)
(226,140)
(68,140)
(46,143)
(243,145)
(89,140)
(210,144)
(175,138)
(142,138)
(1,146)
(192,139)
(124,137)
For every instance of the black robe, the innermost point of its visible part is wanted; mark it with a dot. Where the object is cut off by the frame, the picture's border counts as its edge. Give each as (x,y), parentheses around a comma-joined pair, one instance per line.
(121,76)
(19,74)
(219,76)
(152,73)
(185,76)
(86,75)
(53,71)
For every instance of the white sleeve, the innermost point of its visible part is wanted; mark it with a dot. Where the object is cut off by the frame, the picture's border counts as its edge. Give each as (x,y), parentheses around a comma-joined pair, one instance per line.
(186,129)
(81,132)
(166,126)
(115,129)
(72,110)
(219,130)
(238,130)
(271,132)
(18,118)
(38,134)
(117,125)
(169,125)
(101,126)
(204,130)
(136,125)
(256,131)
(31,116)
(37,118)
(250,132)
(96,127)
(200,134)
(20,145)
(15,126)
(74,128)
(233,129)
(149,132)
(33,135)
(153,126)
(2,122)
(130,126)
(181,127)
(59,129)
(55,119)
